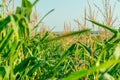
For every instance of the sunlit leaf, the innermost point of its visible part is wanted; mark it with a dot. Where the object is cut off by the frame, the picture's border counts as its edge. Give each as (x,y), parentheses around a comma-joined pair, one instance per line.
(116,54)
(84,72)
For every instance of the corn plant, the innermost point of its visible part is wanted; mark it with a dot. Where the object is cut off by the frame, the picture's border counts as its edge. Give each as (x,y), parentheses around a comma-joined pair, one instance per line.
(44,56)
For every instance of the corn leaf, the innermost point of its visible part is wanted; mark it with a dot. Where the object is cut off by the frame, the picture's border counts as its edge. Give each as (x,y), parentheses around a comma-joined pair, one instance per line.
(23,65)
(70,34)
(2,72)
(104,26)
(6,40)
(84,72)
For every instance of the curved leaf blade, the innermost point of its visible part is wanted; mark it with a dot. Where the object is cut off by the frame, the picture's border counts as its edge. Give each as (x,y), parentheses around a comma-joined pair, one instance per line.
(70,34)
(84,72)
(104,26)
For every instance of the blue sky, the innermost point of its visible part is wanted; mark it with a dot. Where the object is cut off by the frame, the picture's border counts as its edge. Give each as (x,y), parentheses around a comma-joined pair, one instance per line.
(66,11)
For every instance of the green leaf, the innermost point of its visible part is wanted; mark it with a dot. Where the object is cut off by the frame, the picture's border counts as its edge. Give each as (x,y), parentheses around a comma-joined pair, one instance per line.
(106,76)
(18,11)
(25,10)
(26,3)
(85,72)
(35,2)
(45,36)
(7,75)
(32,70)
(2,72)
(70,34)
(23,64)
(116,54)
(104,26)
(72,47)
(23,29)
(42,19)
(4,23)
(114,36)
(6,40)
(87,48)
(108,28)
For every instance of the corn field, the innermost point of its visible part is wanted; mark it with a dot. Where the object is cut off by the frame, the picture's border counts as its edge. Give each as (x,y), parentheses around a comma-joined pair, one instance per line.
(74,55)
